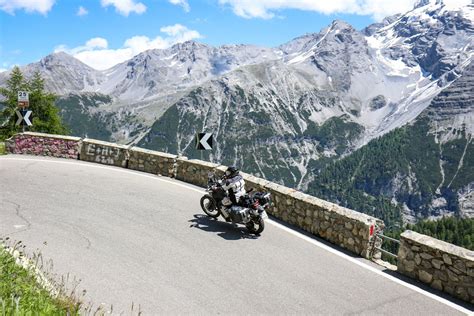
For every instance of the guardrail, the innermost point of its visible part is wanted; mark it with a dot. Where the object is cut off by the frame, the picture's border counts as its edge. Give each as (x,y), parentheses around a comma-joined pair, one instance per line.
(379,248)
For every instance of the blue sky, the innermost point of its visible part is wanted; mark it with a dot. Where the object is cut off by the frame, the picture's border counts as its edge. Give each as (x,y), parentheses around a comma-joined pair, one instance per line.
(104,32)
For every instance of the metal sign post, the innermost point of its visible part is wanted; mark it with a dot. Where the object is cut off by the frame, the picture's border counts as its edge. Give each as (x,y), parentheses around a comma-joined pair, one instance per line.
(23,115)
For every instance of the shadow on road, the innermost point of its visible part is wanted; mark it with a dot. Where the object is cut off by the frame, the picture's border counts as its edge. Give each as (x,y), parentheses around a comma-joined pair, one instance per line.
(228,231)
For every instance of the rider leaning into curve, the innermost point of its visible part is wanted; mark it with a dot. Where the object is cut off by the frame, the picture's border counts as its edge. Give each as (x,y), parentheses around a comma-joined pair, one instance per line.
(234,184)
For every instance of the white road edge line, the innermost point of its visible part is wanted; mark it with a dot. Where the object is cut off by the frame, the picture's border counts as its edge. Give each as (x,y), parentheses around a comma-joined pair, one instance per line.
(288,230)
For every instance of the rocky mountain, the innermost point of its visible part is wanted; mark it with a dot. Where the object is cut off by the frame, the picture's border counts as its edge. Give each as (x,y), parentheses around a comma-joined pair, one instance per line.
(423,169)
(142,88)
(63,74)
(288,113)
(157,73)
(339,74)
(261,118)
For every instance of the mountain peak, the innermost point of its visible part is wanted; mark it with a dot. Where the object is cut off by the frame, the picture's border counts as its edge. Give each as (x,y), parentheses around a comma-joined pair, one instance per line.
(61,58)
(189,45)
(445,5)
(424,3)
(59,55)
(341,25)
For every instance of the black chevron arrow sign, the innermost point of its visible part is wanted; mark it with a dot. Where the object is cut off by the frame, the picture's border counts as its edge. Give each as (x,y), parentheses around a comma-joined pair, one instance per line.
(204,141)
(24,118)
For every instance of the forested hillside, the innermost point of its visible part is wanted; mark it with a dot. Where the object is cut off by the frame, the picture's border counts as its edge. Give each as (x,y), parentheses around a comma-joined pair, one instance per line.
(400,173)
(457,231)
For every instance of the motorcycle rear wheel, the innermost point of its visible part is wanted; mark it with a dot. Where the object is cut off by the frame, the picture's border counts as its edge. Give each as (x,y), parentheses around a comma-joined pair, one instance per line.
(256,225)
(209,206)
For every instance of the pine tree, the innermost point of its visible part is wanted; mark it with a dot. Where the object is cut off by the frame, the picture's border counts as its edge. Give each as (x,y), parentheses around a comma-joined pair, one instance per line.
(15,83)
(46,118)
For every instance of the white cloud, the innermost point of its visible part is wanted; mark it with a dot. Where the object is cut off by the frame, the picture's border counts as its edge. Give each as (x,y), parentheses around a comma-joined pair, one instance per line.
(92,44)
(182,3)
(82,11)
(180,33)
(125,7)
(41,6)
(376,8)
(6,66)
(97,42)
(98,55)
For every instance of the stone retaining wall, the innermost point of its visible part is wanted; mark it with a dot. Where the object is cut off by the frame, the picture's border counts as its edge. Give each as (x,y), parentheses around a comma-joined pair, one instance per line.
(194,171)
(339,225)
(151,161)
(44,145)
(443,266)
(105,153)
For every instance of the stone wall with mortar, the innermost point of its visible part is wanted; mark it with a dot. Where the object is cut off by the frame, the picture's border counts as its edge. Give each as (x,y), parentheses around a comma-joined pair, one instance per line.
(44,145)
(339,225)
(194,171)
(105,153)
(151,161)
(443,266)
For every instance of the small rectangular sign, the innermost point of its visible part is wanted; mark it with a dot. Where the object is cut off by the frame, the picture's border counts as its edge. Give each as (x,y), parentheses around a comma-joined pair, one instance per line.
(23,96)
(23,99)
(23,104)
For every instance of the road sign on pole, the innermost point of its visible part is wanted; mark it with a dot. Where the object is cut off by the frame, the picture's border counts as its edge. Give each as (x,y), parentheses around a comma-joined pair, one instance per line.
(24,118)
(23,99)
(204,141)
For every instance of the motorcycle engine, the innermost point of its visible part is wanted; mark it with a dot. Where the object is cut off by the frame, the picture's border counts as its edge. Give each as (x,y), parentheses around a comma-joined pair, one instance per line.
(226,201)
(239,214)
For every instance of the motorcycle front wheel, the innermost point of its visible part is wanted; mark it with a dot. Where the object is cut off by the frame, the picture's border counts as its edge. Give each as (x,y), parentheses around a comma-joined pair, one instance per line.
(209,206)
(256,225)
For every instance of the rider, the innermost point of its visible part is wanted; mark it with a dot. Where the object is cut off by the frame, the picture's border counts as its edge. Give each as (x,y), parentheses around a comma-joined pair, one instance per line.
(234,184)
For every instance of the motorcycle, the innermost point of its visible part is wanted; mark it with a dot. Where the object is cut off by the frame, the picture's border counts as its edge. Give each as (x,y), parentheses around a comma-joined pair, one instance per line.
(250,210)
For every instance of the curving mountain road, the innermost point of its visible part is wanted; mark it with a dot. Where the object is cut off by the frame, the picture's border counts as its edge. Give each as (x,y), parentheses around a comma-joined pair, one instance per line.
(133,237)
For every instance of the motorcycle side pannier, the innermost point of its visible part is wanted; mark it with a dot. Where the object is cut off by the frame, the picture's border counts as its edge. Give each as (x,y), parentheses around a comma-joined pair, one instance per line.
(238,213)
(262,197)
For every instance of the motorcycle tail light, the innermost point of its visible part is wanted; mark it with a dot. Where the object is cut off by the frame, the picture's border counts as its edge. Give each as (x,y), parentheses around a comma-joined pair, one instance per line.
(255,205)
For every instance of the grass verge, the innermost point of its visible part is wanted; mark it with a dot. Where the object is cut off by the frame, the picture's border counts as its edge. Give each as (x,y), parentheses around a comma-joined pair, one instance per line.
(22,294)
(2,149)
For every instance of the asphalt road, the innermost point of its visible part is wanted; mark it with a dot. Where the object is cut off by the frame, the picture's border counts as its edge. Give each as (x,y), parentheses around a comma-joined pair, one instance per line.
(133,237)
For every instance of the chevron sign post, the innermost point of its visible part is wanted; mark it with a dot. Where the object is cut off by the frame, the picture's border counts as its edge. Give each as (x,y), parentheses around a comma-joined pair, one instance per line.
(204,141)
(24,118)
